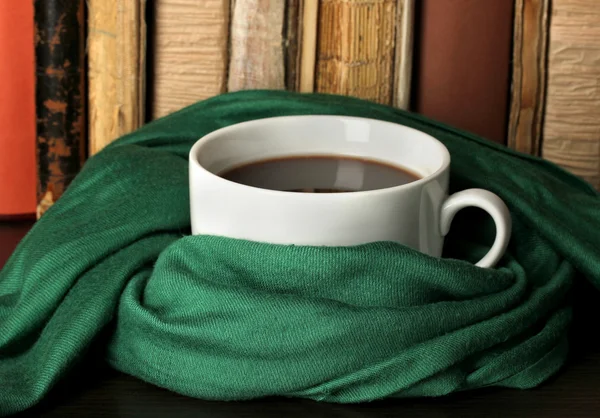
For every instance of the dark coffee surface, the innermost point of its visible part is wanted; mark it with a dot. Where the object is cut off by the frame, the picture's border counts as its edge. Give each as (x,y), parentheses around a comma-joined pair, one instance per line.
(319,174)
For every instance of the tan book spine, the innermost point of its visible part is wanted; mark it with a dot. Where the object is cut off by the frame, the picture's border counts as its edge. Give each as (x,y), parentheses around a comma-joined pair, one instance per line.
(257,45)
(308,45)
(530,41)
(404,53)
(116,69)
(572,116)
(190,52)
(356,44)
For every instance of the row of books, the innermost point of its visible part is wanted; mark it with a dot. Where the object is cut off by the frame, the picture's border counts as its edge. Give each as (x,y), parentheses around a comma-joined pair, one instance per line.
(79,74)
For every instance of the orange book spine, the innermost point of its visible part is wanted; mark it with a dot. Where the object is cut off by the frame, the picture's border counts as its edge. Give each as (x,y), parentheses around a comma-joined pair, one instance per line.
(17,109)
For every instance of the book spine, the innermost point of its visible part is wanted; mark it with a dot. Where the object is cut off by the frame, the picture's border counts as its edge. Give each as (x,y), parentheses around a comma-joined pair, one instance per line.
(116,69)
(404,53)
(190,52)
(356,47)
(530,42)
(257,45)
(462,64)
(571,126)
(17,110)
(59,96)
(293,35)
(308,31)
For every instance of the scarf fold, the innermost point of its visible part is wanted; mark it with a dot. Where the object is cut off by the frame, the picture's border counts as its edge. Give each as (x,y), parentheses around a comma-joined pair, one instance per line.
(225,319)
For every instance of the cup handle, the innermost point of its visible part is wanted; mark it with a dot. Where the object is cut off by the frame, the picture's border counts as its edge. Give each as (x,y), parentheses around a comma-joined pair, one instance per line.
(493,205)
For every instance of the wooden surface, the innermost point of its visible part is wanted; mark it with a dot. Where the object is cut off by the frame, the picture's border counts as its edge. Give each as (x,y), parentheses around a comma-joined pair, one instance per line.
(116,43)
(98,391)
(257,45)
(572,117)
(463,63)
(528,75)
(356,46)
(404,53)
(190,43)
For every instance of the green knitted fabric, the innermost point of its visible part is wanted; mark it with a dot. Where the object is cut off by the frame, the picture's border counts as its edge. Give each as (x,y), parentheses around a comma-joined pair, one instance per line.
(112,264)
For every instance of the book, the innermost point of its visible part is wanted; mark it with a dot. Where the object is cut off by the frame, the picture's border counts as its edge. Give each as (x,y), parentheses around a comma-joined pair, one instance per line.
(356,47)
(462,64)
(530,39)
(403,65)
(60,97)
(571,121)
(116,40)
(292,43)
(190,57)
(308,31)
(17,110)
(257,45)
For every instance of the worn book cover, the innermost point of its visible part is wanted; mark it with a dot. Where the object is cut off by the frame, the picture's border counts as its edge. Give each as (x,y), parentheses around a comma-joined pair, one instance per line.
(189,52)
(528,88)
(571,123)
(257,45)
(116,50)
(356,48)
(59,96)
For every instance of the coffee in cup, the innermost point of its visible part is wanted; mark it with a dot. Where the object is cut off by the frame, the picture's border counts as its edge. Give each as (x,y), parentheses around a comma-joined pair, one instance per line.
(363,180)
(319,174)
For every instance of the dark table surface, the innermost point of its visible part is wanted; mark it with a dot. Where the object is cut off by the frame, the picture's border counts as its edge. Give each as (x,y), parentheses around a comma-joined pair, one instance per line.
(573,392)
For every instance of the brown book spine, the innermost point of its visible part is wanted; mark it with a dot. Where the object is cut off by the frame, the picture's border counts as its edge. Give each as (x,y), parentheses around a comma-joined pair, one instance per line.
(356,45)
(530,41)
(257,45)
(116,69)
(293,35)
(462,64)
(60,96)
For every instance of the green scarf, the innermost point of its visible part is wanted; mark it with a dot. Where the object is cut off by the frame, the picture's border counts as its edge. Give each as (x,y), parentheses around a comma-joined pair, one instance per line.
(112,265)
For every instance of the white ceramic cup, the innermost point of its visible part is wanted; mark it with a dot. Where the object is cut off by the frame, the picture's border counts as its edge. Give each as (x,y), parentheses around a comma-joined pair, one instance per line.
(417,214)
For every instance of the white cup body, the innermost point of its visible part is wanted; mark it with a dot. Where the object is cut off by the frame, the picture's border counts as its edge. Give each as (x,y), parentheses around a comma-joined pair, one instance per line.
(408,214)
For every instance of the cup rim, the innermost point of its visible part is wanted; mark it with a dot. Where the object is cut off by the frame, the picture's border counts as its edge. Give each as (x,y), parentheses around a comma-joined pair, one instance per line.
(214,135)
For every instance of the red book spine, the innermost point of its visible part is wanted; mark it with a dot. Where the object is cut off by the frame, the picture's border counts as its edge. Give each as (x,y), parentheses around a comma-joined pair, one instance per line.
(17,110)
